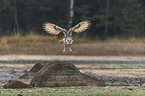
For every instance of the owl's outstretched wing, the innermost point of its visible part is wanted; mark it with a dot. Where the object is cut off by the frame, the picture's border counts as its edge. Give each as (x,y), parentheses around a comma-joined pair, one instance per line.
(81,26)
(52,28)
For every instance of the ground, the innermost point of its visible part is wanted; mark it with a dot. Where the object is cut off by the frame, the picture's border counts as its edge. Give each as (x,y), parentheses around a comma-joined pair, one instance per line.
(77,91)
(124,72)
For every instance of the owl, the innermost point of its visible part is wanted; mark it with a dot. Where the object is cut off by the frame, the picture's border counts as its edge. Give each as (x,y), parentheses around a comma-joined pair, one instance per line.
(67,40)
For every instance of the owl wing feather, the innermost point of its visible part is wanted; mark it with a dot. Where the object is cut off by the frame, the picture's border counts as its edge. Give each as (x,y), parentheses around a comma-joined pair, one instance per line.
(81,26)
(52,28)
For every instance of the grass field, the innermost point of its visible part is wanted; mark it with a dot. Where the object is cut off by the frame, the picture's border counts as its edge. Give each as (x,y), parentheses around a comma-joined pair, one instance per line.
(122,74)
(77,91)
(110,60)
(49,45)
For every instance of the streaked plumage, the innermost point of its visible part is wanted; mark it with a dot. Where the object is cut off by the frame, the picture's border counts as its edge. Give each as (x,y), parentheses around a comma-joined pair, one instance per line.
(55,30)
(82,26)
(52,28)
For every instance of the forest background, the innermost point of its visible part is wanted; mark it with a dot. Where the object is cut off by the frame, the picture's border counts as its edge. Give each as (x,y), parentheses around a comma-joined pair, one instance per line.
(109,18)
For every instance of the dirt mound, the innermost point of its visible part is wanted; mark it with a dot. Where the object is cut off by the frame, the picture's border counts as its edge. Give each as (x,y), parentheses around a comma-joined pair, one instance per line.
(63,74)
(17,83)
(39,65)
(142,82)
(53,74)
(24,80)
(34,70)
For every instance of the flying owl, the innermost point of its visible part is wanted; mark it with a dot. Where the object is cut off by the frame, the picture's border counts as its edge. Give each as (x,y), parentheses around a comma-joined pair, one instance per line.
(67,40)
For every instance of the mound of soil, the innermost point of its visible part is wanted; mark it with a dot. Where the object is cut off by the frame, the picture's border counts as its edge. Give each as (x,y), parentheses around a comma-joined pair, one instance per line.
(62,74)
(34,70)
(142,82)
(17,83)
(54,74)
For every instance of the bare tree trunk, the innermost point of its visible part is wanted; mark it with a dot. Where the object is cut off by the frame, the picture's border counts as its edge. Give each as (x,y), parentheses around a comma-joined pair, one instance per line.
(107,13)
(16,25)
(28,23)
(115,13)
(71,13)
(10,26)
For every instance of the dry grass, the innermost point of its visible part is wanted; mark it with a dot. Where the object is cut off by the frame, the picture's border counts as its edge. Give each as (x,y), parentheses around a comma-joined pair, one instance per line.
(125,40)
(25,40)
(107,49)
(49,45)
(55,39)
